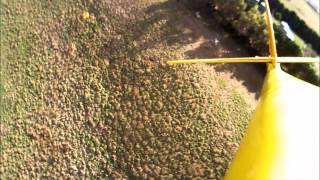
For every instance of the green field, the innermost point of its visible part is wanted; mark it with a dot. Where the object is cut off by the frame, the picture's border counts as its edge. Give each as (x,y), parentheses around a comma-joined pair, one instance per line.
(86,93)
(305,12)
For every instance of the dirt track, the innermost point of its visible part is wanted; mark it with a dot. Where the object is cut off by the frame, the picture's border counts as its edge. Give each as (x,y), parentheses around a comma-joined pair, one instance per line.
(203,39)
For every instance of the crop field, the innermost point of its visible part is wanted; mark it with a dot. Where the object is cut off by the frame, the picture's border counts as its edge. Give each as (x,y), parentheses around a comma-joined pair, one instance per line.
(305,12)
(86,93)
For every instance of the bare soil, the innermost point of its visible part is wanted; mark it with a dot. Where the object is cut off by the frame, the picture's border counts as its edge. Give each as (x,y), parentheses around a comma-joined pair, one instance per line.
(203,38)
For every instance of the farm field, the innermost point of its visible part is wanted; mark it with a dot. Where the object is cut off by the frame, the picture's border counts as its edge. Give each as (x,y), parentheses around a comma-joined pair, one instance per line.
(86,92)
(305,12)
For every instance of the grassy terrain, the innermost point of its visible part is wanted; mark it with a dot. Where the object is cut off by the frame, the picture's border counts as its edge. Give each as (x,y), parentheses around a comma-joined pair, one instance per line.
(85,93)
(305,12)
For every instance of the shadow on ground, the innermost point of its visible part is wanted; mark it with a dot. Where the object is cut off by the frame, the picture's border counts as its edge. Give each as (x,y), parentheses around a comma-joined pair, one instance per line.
(206,39)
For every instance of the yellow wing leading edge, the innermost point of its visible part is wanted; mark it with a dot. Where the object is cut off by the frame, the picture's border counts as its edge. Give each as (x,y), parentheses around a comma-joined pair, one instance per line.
(282,140)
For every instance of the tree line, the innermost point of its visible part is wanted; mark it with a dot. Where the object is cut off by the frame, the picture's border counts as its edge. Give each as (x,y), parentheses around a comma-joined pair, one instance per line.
(247,24)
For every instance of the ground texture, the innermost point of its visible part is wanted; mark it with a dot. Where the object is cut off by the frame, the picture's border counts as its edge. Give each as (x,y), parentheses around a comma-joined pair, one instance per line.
(86,93)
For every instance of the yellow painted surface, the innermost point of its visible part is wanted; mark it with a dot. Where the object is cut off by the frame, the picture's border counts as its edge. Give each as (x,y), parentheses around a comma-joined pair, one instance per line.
(247,60)
(271,37)
(223,60)
(282,140)
(298,59)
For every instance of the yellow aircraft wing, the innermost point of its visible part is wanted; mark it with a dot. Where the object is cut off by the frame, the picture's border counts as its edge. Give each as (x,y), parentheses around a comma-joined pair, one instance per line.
(282,140)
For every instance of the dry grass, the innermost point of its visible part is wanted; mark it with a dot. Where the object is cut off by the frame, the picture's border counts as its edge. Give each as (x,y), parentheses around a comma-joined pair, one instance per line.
(86,94)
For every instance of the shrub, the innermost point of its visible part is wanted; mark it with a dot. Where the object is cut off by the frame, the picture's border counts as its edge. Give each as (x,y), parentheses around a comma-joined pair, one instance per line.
(297,24)
(247,22)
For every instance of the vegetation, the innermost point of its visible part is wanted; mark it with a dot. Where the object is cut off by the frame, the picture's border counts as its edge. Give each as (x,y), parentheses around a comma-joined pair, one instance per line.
(305,71)
(86,93)
(245,19)
(297,24)
(304,11)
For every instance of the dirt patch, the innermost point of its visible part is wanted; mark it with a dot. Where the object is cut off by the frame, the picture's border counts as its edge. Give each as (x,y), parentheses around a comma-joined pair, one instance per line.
(204,38)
